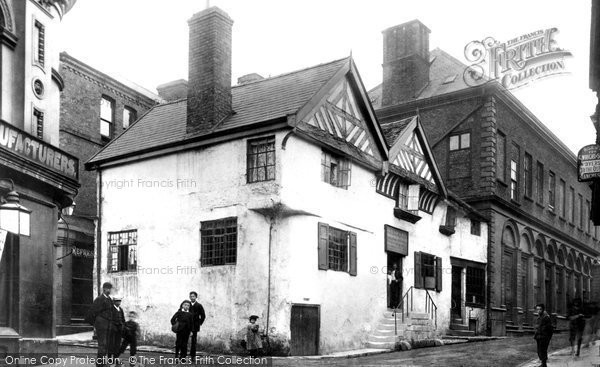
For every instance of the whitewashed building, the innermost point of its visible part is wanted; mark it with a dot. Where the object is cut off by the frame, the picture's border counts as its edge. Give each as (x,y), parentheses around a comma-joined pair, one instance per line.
(283,197)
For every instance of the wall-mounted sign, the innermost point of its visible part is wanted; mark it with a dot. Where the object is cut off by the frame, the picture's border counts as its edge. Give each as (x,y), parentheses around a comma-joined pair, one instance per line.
(396,240)
(588,163)
(37,151)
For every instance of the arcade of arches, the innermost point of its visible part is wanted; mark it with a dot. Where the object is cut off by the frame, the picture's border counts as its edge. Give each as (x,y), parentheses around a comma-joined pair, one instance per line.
(539,269)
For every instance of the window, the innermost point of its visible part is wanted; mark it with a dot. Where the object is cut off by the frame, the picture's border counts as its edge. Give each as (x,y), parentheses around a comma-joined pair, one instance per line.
(38,43)
(428,271)
(475,227)
(260,162)
(528,173)
(335,170)
(514,180)
(336,249)
(581,212)
(501,157)
(218,242)
(450,216)
(461,141)
(571,205)
(587,216)
(551,188)
(122,251)
(562,198)
(129,116)
(107,107)
(408,197)
(475,286)
(539,182)
(38,121)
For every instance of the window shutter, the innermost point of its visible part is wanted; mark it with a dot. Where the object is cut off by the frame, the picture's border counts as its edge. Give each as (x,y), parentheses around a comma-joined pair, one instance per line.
(418,275)
(352,253)
(438,274)
(413,197)
(323,245)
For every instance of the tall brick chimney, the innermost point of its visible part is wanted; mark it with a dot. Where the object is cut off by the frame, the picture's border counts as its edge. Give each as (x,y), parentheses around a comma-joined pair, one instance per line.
(209,78)
(405,62)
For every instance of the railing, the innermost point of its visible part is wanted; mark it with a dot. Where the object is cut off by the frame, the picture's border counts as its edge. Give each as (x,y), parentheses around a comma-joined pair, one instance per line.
(430,307)
(403,306)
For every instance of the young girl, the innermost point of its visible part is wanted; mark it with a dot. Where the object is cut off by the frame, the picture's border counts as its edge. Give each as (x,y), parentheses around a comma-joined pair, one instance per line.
(253,340)
(185,321)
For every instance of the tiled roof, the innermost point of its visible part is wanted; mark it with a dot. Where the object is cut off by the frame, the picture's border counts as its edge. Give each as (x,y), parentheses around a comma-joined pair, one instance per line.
(393,129)
(445,76)
(253,102)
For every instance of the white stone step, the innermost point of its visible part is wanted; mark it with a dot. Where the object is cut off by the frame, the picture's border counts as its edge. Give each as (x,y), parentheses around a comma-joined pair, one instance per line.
(419,315)
(381,345)
(384,338)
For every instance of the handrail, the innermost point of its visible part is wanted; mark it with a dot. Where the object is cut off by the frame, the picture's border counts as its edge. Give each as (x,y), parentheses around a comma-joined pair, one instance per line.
(430,307)
(408,294)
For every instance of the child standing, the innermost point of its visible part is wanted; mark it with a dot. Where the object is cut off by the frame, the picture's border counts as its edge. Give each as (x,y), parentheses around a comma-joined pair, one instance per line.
(253,339)
(185,323)
(131,333)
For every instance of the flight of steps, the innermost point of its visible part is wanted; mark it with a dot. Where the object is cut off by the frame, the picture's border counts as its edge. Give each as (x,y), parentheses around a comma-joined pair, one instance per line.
(416,326)
(457,328)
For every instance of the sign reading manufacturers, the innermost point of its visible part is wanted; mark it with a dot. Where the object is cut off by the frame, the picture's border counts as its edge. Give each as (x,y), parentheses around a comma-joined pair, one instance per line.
(36,150)
(396,240)
(588,163)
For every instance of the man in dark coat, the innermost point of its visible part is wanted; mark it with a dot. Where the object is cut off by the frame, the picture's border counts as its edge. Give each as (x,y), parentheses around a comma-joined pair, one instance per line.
(118,320)
(543,332)
(101,316)
(199,316)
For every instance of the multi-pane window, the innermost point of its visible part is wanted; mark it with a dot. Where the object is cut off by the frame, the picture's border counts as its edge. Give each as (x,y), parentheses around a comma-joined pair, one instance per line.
(528,173)
(428,271)
(475,285)
(562,198)
(460,141)
(514,180)
(129,116)
(107,107)
(551,188)
(475,227)
(539,182)
(571,205)
(337,249)
(335,170)
(122,251)
(218,242)
(403,196)
(39,44)
(38,120)
(501,157)
(260,162)
(587,216)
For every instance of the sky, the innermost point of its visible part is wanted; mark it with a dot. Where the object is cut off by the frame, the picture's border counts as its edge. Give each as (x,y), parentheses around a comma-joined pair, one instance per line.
(146,41)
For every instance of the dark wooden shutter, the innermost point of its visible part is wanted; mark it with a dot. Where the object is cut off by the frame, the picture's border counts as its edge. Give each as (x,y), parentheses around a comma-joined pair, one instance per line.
(438,274)
(323,245)
(352,253)
(418,275)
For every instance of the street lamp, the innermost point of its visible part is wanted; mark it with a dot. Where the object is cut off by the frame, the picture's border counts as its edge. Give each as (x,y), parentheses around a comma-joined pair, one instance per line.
(14,217)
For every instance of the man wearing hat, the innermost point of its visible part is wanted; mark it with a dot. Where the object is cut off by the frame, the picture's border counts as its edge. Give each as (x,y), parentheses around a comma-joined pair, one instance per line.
(253,339)
(118,320)
(101,315)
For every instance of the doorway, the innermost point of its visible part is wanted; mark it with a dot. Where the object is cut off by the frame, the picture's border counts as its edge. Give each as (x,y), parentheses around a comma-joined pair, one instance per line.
(304,327)
(394,279)
(456,297)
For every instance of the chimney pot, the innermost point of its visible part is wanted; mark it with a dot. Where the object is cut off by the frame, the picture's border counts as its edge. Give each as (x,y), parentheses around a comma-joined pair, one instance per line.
(172,91)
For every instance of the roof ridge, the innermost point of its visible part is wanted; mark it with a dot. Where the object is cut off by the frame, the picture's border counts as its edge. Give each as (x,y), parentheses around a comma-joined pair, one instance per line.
(291,72)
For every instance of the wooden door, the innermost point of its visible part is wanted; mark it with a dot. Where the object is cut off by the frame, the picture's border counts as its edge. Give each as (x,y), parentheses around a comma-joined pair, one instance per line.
(524,291)
(507,283)
(456,307)
(304,326)
(549,294)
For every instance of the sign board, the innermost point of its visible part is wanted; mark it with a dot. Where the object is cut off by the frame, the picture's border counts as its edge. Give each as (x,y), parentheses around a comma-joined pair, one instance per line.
(396,240)
(37,151)
(588,163)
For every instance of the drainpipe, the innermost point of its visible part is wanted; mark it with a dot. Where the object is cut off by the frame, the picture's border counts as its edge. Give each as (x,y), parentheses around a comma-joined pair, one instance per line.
(99,233)
(271,226)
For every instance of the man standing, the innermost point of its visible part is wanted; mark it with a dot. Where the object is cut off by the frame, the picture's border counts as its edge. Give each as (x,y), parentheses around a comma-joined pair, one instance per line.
(395,281)
(118,320)
(543,332)
(198,315)
(101,316)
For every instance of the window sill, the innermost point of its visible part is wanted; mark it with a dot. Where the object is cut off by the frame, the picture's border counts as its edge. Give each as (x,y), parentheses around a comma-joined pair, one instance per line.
(562,219)
(475,305)
(257,182)
(515,202)
(572,224)
(528,198)
(407,215)
(447,230)
(501,182)
(552,212)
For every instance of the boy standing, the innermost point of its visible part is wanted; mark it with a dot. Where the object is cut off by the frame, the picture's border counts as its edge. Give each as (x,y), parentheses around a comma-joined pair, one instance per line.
(131,334)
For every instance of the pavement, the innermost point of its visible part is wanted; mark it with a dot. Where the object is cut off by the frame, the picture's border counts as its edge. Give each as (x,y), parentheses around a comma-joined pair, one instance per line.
(588,357)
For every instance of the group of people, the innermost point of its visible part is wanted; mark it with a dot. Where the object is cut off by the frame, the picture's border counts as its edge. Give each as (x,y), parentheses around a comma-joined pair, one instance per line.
(113,332)
(577,329)
(187,320)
